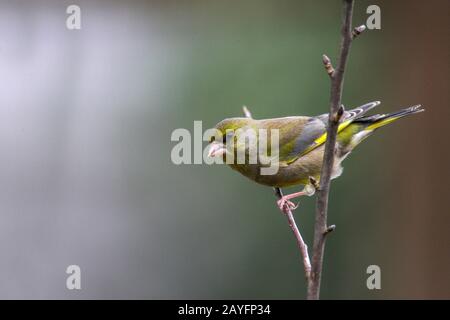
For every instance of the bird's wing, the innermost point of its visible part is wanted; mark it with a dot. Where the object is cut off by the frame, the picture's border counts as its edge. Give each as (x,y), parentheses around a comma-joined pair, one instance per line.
(301,135)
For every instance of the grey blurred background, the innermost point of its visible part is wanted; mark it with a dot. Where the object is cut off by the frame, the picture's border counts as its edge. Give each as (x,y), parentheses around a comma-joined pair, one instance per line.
(85,170)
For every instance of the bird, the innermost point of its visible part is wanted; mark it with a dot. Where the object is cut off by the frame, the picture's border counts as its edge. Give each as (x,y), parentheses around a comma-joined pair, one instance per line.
(301,145)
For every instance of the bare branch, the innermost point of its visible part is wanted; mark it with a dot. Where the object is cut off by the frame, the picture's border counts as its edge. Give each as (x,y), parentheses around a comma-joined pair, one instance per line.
(321,230)
(300,242)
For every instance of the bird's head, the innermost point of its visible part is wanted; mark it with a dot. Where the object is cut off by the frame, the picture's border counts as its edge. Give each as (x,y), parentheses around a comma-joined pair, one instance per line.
(227,131)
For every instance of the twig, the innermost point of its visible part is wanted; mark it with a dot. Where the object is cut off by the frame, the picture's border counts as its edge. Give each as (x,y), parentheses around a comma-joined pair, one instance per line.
(336,110)
(313,271)
(298,236)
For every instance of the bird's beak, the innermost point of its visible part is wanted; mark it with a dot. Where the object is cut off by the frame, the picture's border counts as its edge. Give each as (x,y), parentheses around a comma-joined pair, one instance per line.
(216,149)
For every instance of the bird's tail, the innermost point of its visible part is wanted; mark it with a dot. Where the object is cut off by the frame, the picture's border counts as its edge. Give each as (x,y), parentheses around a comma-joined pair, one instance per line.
(363,127)
(380,120)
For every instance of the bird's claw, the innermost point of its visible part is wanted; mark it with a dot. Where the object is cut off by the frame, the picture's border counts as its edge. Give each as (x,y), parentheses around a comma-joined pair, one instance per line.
(286,205)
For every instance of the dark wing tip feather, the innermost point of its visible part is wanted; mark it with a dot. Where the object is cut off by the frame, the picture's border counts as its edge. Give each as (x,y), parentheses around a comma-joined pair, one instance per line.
(417,108)
(360,111)
(376,117)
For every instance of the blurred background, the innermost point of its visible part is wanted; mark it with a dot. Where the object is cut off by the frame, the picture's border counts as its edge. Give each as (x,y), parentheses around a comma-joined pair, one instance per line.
(86,177)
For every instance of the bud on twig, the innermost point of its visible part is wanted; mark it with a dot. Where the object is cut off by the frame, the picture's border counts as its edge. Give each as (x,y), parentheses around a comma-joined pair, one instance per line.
(357,31)
(329,229)
(328,66)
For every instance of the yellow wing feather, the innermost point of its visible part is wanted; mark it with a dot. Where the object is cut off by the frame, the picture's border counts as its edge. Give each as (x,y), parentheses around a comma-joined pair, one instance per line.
(321,140)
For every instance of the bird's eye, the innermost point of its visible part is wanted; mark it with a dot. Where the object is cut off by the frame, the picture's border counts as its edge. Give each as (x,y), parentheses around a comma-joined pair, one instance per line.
(212,139)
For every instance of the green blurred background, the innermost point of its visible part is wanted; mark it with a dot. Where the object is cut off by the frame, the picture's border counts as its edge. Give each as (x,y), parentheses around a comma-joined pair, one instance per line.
(85,124)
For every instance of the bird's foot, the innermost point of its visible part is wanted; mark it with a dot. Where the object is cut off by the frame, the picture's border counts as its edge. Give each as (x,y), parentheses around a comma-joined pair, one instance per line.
(285,205)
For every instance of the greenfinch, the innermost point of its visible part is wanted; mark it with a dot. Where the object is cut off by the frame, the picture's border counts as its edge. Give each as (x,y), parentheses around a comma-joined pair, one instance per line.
(301,141)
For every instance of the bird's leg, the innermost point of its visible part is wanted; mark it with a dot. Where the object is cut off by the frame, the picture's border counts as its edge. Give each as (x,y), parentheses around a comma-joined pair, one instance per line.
(284,202)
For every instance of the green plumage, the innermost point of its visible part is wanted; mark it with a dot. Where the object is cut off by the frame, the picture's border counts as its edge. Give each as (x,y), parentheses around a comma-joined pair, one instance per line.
(301,142)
